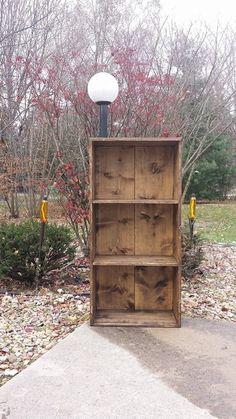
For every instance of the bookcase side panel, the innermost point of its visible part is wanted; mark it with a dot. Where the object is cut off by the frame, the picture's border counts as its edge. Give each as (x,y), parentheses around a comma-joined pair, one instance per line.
(114,172)
(177,171)
(177,234)
(92,234)
(177,296)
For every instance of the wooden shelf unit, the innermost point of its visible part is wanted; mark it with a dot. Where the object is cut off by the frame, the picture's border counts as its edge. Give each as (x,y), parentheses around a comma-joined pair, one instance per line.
(135,240)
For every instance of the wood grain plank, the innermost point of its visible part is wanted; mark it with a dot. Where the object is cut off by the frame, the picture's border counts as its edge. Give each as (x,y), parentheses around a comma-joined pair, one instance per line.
(114,172)
(114,230)
(154,288)
(154,172)
(177,232)
(154,230)
(136,201)
(177,169)
(135,261)
(149,141)
(136,318)
(115,287)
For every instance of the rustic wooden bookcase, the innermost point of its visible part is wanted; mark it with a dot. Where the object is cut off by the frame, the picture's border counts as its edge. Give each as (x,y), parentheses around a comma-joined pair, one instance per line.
(135,241)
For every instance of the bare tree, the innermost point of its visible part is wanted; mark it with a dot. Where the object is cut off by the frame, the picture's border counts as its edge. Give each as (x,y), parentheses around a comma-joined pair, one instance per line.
(173,81)
(27,29)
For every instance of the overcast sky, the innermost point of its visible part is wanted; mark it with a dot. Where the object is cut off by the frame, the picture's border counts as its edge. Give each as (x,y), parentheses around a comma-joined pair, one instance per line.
(209,10)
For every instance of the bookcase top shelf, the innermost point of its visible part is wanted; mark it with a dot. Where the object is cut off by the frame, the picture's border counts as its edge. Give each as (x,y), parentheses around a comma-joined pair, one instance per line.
(136,140)
(142,139)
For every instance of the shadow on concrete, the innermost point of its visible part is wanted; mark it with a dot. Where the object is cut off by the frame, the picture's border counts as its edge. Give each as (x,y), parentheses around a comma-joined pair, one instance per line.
(198,361)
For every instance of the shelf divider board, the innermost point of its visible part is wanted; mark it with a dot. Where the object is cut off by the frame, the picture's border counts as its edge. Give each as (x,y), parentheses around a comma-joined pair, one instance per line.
(136,201)
(135,261)
(150,141)
(135,238)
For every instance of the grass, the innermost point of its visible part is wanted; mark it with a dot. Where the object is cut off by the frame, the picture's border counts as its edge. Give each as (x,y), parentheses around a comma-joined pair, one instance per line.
(215,222)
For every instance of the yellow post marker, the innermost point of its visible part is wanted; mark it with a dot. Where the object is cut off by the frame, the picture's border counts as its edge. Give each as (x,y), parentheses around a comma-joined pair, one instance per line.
(192,208)
(192,215)
(43,220)
(44,210)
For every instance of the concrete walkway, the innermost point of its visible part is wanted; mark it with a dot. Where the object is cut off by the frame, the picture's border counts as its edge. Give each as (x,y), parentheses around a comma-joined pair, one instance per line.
(134,373)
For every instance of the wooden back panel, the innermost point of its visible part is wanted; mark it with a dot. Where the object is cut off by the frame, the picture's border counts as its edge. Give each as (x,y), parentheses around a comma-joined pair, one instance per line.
(153,230)
(154,172)
(115,287)
(141,229)
(115,229)
(153,288)
(114,172)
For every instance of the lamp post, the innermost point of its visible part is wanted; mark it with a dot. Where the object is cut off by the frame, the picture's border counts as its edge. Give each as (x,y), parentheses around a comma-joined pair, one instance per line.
(103,89)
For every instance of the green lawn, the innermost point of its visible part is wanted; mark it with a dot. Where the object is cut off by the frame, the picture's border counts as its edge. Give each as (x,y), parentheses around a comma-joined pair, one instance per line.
(215,222)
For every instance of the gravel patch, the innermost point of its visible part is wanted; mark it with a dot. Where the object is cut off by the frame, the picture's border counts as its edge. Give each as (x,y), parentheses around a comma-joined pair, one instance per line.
(32,324)
(212,294)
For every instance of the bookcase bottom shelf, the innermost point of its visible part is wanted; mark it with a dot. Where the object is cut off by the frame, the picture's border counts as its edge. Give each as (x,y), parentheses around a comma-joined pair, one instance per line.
(135,318)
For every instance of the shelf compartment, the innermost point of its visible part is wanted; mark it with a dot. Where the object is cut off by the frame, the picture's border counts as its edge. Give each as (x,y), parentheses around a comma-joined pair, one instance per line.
(116,260)
(134,288)
(141,229)
(135,318)
(124,171)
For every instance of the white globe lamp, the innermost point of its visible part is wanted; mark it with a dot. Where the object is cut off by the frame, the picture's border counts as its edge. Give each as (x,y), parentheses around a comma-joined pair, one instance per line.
(103,89)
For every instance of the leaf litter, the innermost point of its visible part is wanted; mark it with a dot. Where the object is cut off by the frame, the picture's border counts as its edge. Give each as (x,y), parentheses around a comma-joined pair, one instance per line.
(33,322)
(211,293)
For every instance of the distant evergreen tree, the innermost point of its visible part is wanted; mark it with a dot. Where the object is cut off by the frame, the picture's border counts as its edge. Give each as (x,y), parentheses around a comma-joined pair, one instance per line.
(215,173)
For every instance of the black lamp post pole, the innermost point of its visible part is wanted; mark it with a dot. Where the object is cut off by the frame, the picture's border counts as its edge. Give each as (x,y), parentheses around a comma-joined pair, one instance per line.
(103,119)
